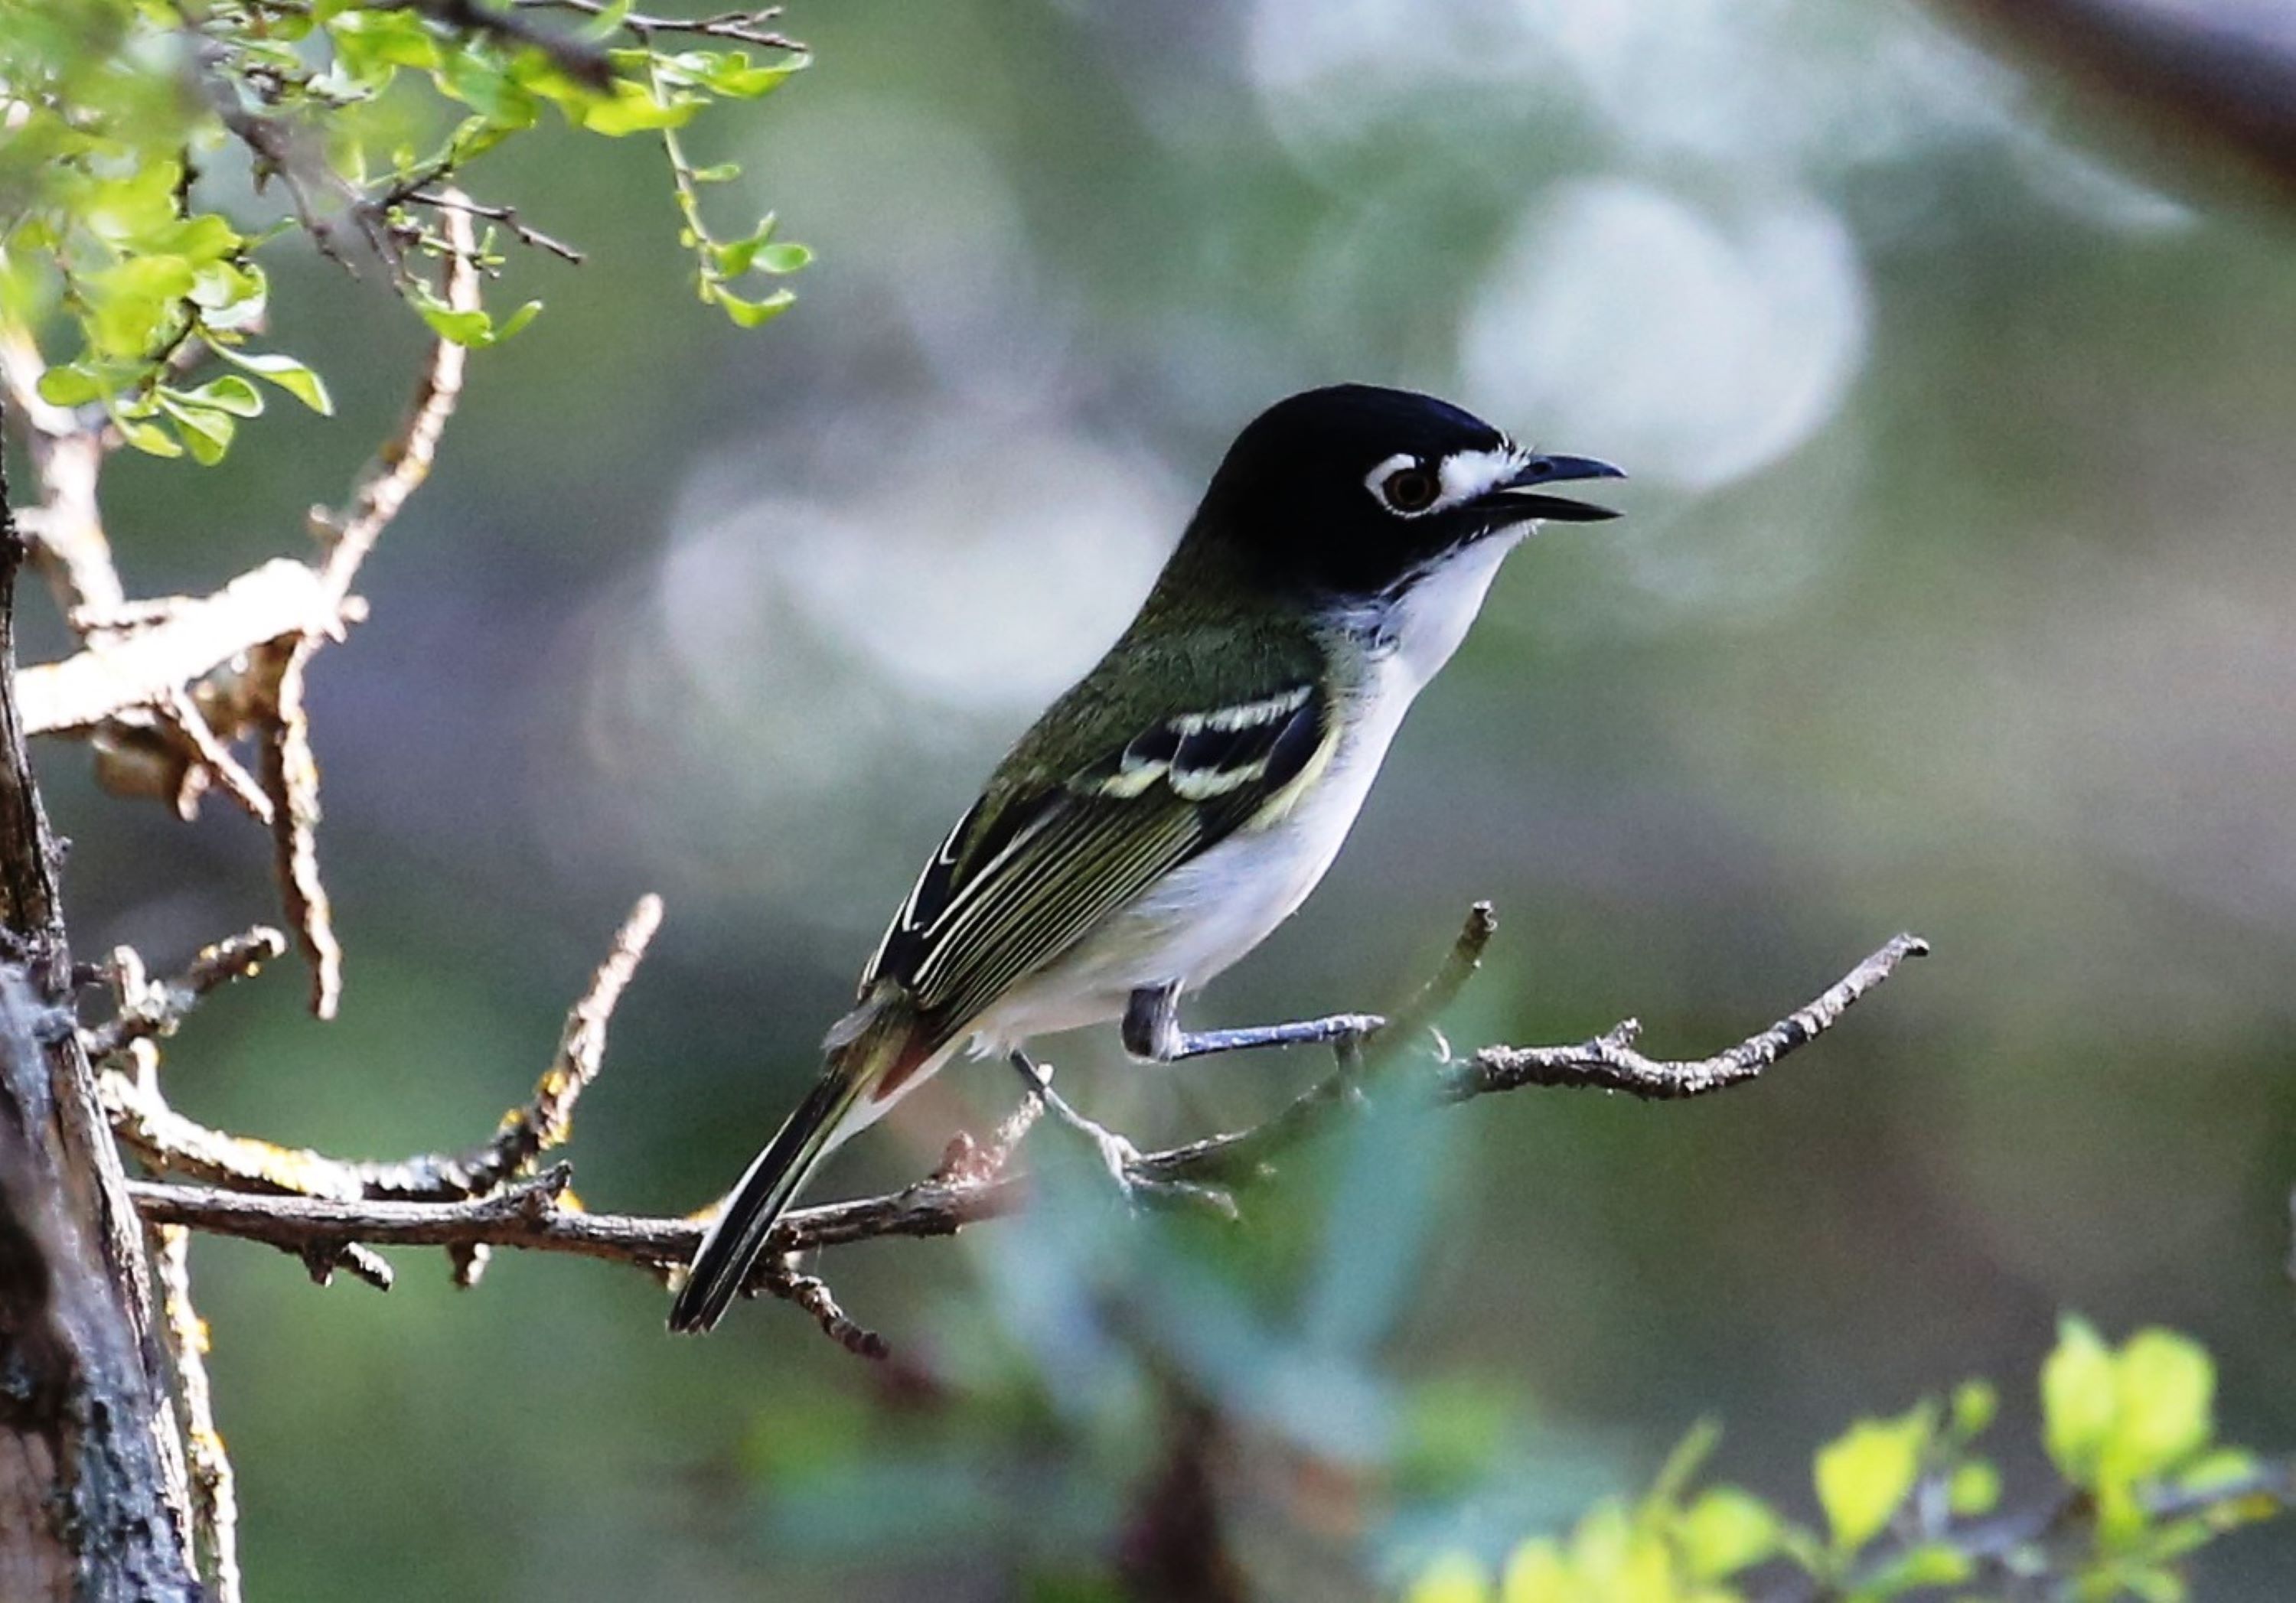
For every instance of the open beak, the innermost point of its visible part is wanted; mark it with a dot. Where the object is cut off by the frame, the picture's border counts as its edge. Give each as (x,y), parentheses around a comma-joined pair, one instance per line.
(1523,495)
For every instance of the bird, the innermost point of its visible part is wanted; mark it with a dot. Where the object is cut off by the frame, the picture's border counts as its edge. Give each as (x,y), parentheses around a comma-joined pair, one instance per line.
(1180,801)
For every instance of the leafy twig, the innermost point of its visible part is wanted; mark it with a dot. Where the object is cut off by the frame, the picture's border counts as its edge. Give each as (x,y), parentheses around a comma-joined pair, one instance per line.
(736,27)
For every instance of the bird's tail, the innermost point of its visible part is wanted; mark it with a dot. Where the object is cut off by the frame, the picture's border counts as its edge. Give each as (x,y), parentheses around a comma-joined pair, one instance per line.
(871,1053)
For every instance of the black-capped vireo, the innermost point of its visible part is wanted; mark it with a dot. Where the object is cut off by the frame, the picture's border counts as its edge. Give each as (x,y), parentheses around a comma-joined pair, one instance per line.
(1182,799)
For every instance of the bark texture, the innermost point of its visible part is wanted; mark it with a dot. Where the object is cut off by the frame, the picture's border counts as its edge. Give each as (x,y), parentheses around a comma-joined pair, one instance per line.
(92,1500)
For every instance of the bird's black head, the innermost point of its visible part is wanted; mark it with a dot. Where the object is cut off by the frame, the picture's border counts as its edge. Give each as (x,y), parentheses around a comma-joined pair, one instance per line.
(1352,490)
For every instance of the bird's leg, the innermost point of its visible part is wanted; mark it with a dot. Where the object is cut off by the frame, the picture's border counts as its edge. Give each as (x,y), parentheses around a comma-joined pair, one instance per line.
(1151,1029)
(1116,1153)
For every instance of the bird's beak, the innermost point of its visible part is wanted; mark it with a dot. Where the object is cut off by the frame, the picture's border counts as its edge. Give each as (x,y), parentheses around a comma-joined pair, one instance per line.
(1521,496)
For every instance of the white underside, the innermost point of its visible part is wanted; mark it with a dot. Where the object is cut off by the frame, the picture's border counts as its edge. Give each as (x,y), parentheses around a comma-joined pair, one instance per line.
(1205,915)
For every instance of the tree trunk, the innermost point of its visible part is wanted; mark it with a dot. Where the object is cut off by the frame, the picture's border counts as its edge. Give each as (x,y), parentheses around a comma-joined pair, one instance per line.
(92,1502)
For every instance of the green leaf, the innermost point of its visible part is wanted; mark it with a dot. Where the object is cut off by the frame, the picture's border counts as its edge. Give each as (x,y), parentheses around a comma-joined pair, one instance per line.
(1974,1488)
(2146,1584)
(630,109)
(732,75)
(1975,1402)
(2078,1401)
(373,44)
(1726,1531)
(483,84)
(2225,1466)
(148,437)
(471,328)
(290,375)
(1683,1463)
(782,258)
(1863,1478)
(205,238)
(224,290)
(1537,1573)
(126,210)
(750,313)
(228,393)
(2165,1390)
(72,385)
(207,432)
(131,304)
(516,321)
(1933,1563)
(724,172)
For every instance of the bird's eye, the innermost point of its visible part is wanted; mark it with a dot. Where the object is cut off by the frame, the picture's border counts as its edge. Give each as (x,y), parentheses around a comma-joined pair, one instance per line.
(1409,490)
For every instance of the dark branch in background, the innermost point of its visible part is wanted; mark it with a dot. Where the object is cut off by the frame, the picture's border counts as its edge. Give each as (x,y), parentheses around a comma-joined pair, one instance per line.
(970,1184)
(507,215)
(2211,85)
(583,62)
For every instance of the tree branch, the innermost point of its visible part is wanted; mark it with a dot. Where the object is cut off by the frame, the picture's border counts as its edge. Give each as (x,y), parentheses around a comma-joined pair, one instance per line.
(970,1186)
(66,529)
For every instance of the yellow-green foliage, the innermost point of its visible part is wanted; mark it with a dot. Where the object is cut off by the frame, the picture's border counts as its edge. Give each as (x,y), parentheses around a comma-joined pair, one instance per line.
(1909,1506)
(117,112)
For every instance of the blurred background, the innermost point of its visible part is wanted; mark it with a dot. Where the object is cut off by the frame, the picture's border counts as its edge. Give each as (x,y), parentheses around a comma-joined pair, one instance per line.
(1952,597)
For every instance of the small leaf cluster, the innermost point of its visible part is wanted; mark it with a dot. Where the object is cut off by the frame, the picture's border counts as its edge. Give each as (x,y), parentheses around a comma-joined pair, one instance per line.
(96,178)
(122,116)
(1911,1508)
(720,264)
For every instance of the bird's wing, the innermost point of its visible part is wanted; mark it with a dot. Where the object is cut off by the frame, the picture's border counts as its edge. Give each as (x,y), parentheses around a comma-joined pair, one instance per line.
(1034,865)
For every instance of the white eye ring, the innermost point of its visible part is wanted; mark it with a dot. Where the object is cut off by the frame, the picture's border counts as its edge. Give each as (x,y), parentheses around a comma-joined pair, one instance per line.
(1404,485)
(1461,477)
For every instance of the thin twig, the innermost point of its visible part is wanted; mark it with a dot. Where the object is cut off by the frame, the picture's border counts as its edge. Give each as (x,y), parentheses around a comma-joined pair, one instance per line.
(280,150)
(180,714)
(507,215)
(811,1293)
(736,26)
(404,461)
(290,772)
(1610,1061)
(148,1009)
(547,1118)
(215,1503)
(1401,1033)
(170,1142)
(291,782)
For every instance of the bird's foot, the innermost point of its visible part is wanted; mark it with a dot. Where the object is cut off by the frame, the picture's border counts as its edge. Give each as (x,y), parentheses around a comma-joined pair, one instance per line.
(1119,1158)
